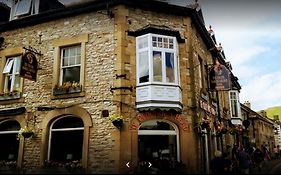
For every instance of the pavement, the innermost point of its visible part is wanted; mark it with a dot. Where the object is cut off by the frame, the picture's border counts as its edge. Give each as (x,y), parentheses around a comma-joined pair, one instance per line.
(267,168)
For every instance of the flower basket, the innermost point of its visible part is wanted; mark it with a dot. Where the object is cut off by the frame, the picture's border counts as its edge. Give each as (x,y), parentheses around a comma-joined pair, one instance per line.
(10,96)
(117,120)
(67,88)
(27,134)
(118,123)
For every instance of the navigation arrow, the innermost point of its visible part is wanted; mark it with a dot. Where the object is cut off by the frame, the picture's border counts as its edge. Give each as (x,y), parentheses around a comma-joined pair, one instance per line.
(127,164)
(149,164)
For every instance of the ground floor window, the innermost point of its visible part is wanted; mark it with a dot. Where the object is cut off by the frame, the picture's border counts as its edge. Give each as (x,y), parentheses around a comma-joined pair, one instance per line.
(158,144)
(66,140)
(9,142)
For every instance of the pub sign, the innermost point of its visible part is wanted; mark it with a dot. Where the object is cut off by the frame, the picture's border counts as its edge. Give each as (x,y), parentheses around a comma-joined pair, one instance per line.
(219,77)
(29,66)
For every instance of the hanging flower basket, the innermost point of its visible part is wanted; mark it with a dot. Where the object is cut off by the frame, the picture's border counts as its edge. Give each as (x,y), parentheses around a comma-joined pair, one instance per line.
(118,123)
(25,132)
(117,120)
(205,125)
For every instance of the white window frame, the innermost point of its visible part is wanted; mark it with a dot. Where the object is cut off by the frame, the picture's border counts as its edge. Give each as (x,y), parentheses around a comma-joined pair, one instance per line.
(238,109)
(62,67)
(11,63)
(150,49)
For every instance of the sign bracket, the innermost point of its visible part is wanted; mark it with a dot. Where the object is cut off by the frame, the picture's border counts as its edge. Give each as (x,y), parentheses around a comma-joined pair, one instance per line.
(33,50)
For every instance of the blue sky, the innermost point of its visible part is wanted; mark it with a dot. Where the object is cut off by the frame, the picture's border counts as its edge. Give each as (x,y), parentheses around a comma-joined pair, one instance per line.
(250,33)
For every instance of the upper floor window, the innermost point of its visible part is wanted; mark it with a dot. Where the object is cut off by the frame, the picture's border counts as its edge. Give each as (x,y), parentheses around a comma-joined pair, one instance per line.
(234,103)
(157,59)
(200,73)
(11,76)
(70,64)
(23,8)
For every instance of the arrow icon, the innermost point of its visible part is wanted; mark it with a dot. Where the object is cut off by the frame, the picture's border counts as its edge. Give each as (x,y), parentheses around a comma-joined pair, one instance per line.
(127,164)
(149,164)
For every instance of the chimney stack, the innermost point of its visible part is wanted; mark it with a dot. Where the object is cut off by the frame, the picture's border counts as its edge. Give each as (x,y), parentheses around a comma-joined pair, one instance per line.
(263,113)
(248,104)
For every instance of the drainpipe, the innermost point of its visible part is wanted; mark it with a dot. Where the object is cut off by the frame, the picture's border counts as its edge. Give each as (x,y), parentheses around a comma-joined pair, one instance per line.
(204,131)
(219,117)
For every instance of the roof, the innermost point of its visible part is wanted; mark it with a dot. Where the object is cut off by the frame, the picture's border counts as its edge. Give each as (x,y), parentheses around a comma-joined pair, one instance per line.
(256,116)
(4,12)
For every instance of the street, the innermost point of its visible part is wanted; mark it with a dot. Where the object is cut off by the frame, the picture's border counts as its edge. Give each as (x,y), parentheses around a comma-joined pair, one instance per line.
(269,167)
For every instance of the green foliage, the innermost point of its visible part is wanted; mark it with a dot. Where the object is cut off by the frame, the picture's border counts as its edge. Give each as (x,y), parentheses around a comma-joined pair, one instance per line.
(270,112)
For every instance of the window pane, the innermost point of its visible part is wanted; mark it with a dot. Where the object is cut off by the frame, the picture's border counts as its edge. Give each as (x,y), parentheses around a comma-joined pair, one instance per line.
(9,142)
(71,60)
(17,64)
(23,7)
(157,66)
(154,41)
(142,42)
(160,44)
(71,74)
(8,66)
(166,43)
(17,83)
(64,143)
(171,45)
(143,67)
(8,83)
(65,52)
(68,122)
(156,125)
(170,67)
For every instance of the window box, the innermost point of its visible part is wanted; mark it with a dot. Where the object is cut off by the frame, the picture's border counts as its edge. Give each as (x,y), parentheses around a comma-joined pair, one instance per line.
(67,88)
(10,96)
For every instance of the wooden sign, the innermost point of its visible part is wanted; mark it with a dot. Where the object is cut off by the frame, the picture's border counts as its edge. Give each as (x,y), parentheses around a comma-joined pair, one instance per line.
(29,66)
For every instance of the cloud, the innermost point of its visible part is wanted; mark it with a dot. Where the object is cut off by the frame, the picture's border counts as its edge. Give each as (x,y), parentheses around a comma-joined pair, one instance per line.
(263,91)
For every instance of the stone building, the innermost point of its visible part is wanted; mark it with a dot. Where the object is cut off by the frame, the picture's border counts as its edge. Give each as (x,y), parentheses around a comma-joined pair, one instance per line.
(131,59)
(259,129)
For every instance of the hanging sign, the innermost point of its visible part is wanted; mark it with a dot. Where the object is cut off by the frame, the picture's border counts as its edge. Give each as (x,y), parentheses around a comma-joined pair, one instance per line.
(28,66)
(206,107)
(219,78)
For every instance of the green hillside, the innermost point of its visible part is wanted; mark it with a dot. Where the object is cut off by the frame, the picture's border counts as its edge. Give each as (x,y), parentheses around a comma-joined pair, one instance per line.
(273,111)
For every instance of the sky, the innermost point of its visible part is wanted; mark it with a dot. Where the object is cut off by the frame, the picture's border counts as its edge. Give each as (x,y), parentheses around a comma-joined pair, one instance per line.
(250,33)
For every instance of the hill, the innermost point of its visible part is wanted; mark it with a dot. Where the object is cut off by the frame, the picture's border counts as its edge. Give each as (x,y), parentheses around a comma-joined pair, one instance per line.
(273,111)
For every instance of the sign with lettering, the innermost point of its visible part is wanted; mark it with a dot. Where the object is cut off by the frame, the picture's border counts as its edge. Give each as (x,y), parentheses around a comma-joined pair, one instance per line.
(28,66)
(219,78)
(206,107)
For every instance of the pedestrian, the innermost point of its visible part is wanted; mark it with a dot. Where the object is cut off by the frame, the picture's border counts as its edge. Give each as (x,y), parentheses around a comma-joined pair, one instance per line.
(276,152)
(217,163)
(244,161)
(235,168)
(227,163)
(257,158)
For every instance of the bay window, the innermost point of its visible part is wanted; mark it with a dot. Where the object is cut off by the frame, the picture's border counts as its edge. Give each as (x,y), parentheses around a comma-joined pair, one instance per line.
(235,110)
(157,59)
(157,72)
